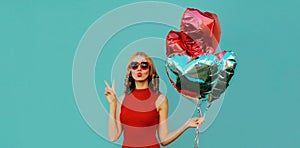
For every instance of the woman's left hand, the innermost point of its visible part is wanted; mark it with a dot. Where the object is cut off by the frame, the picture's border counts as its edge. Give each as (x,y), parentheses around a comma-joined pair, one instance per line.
(194,122)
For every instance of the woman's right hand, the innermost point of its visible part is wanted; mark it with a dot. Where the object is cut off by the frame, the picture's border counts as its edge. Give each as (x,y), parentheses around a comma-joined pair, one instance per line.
(110,93)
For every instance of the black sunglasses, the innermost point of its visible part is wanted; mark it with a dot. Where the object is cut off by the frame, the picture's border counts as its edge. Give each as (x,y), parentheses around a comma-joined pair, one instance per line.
(135,65)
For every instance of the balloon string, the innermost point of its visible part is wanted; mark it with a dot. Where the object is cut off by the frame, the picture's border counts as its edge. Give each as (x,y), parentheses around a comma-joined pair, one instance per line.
(197,137)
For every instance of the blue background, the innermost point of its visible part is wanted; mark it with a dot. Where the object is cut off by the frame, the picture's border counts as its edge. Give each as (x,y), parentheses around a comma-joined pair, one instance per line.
(38,44)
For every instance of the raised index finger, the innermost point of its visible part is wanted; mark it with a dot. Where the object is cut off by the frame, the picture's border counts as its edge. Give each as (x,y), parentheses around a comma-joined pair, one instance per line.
(107,85)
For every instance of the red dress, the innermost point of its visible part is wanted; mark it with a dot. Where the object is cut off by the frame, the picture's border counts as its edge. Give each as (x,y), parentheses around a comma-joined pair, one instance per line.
(140,119)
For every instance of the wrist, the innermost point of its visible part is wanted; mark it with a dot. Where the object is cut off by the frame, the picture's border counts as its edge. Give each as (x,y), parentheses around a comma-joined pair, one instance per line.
(113,104)
(186,125)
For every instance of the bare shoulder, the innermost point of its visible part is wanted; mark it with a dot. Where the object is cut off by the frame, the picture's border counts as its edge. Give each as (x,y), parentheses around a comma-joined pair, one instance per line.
(162,101)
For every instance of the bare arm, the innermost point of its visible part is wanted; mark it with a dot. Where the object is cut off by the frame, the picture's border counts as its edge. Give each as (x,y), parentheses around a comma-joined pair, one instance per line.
(165,136)
(114,124)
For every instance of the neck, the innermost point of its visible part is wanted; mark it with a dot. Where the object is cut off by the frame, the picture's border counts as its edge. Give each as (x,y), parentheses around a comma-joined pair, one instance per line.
(141,84)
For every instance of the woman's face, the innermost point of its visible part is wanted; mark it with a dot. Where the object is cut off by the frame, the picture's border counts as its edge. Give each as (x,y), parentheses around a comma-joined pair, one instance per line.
(139,68)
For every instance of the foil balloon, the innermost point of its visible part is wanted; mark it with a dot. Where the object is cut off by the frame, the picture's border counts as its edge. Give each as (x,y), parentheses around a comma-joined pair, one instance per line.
(192,65)
(203,31)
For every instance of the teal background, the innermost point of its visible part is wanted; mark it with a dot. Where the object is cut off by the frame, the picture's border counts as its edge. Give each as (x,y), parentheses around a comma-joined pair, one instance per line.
(39,40)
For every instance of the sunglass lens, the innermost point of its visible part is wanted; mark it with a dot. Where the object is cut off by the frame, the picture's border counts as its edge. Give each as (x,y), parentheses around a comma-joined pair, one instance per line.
(134,65)
(144,65)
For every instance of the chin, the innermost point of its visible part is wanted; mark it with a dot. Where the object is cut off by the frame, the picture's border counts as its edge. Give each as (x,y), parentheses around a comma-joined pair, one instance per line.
(140,79)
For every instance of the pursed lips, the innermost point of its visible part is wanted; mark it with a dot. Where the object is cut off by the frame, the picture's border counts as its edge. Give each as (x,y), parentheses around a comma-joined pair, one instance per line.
(139,74)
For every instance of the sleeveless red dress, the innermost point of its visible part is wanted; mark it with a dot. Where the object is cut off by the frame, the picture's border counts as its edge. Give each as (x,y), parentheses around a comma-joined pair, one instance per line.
(140,119)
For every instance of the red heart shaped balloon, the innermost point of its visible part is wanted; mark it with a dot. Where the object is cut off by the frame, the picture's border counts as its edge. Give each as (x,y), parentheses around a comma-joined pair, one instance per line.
(200,34)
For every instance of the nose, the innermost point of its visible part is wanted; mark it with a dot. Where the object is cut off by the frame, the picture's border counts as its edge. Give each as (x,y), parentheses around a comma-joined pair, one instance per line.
(139,68)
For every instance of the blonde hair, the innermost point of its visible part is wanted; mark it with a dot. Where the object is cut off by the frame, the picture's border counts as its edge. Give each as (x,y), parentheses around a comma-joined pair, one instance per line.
(153,78)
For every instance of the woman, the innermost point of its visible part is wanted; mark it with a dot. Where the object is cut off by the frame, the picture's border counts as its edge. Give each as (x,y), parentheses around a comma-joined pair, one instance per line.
(142,110)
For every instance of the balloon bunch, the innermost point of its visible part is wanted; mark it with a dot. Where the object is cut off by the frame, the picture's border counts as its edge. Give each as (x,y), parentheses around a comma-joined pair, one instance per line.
(192,65)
